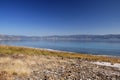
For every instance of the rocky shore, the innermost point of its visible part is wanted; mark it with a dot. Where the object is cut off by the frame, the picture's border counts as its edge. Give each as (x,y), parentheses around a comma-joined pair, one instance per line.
(45,67)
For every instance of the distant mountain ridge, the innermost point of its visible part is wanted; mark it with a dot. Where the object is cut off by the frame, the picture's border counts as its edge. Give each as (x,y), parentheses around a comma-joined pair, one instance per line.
(109,37)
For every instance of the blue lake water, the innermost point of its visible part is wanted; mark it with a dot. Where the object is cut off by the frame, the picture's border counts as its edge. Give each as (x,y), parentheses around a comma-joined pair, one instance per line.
(97,48)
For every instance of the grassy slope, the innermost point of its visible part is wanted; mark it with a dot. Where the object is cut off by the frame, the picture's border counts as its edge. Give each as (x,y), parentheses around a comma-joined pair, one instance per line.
(9,50)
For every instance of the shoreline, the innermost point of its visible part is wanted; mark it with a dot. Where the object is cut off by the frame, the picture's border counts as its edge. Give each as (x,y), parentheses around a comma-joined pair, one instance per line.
(54,50)
(75,52)
(9,50)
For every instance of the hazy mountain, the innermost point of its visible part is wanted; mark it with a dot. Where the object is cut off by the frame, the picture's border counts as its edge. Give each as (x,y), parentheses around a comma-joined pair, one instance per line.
(110,37)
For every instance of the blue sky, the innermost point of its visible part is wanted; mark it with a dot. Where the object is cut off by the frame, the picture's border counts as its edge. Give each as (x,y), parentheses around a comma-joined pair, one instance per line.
(59,17)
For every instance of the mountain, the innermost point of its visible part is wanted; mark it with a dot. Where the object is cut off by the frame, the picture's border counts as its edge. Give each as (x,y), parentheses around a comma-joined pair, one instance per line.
(109,37)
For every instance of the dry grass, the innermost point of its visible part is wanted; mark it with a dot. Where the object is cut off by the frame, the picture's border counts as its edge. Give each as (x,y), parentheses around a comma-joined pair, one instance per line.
(14,66)
(8,50)
(10,66)
(46,61)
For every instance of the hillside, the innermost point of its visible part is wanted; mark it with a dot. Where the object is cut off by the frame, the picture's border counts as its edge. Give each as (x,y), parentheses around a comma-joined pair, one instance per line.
(20,63)
(64,37)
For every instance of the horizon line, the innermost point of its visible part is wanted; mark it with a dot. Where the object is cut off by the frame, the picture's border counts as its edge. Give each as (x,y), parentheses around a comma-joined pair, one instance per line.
(57,35)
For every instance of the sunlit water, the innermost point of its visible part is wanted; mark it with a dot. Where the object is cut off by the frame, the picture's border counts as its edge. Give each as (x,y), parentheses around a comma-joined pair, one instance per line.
(98,48)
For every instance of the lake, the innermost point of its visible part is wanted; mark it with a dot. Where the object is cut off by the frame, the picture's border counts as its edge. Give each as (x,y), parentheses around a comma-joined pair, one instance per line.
(97,48)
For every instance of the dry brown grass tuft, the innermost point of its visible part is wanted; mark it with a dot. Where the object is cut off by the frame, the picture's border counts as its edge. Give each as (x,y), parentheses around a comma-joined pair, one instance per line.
(5,76)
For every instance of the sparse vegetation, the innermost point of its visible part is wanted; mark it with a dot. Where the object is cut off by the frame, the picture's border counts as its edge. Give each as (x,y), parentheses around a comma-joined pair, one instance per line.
(8,50)
(14,66)
(21,63)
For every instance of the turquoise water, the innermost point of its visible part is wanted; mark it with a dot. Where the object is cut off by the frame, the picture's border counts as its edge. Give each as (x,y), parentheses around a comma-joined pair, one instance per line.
(98,48)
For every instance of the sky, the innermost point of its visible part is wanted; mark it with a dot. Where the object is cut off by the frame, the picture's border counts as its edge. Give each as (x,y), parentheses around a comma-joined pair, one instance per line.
(59,17)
